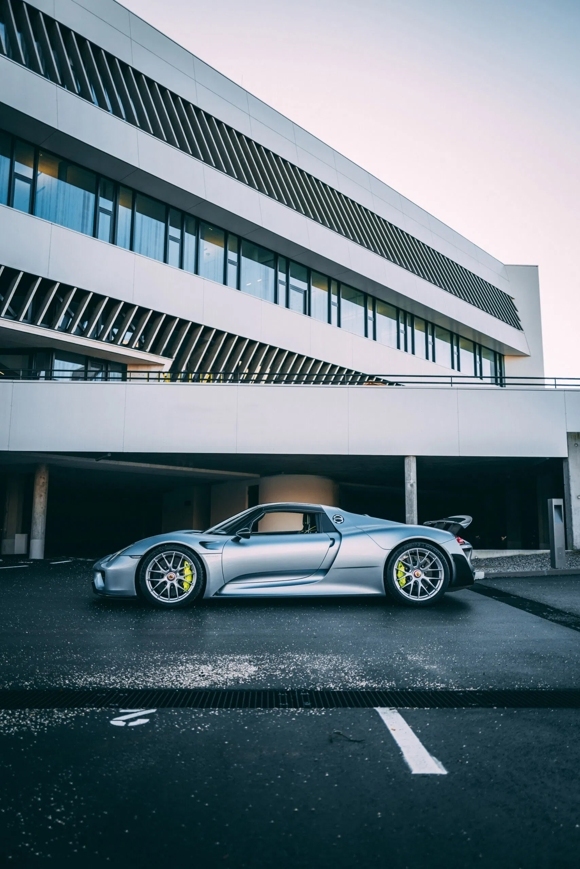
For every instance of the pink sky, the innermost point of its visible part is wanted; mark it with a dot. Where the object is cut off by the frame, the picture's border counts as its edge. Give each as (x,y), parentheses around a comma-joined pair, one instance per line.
(469,108)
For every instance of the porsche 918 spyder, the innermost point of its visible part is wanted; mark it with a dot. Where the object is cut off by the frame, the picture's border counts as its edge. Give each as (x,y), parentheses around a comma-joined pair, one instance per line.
(289,549)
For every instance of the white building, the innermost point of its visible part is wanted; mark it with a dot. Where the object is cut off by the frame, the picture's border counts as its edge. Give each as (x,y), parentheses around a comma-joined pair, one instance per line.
(202,306)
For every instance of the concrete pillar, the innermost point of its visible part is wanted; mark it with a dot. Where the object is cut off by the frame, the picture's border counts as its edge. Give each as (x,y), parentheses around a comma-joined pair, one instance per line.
(305,488)
(411,512)
(572,491)
(39,503)
(14,542)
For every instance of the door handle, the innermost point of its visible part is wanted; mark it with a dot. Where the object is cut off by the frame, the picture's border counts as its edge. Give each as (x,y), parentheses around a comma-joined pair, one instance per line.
(332,542)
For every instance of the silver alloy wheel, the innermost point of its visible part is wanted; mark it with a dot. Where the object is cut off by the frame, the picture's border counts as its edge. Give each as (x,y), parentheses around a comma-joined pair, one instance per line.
(170,576)
(419,573)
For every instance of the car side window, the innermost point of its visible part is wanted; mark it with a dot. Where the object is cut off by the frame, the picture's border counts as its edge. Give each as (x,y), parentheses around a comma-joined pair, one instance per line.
(285,522)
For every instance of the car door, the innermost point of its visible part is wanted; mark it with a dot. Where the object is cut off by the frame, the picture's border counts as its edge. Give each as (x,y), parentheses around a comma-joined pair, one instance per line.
(283,546)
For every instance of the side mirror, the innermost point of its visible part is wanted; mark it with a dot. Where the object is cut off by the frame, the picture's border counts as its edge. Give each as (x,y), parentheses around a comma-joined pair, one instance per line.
(242,534)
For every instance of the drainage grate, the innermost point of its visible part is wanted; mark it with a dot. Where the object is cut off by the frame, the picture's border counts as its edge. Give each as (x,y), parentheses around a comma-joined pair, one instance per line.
(542,610)
(160,698)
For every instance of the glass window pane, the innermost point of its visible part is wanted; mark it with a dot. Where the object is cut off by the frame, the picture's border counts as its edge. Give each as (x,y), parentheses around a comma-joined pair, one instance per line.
(420,338)
(189,243)
(211,252)
(174,238)
(68,366)
(23,169)
(386,323)
(282,280)
(443,347)
(298,288)
(319,297)
(124,214)
(334,303)
(149,233)
(65,193)
(370,318)
(488,363)
(105,210)
(232,265)
(466,357)
(352,310)
(258,271)
(5,149)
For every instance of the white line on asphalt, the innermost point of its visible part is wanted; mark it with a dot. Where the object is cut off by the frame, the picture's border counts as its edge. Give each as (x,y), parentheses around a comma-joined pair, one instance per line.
(122,720)
(419,760)
(13,566)
(68,561)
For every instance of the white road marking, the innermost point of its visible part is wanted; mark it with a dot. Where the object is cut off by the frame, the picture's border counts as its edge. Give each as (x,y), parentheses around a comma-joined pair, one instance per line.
(419,760)
(13,566)
(68,561)
(135,714)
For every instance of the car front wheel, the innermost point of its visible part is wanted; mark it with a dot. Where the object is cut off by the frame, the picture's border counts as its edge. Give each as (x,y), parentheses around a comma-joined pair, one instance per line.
(417,574)
(171,576)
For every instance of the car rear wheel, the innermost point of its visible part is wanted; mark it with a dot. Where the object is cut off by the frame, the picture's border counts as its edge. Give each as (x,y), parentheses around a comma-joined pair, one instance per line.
(171,576)
(417,574)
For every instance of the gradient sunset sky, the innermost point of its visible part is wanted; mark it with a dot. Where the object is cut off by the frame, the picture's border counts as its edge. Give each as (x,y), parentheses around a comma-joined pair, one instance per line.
(471,108)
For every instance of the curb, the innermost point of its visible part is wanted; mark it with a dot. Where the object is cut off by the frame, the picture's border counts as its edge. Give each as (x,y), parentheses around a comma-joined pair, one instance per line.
(528,574)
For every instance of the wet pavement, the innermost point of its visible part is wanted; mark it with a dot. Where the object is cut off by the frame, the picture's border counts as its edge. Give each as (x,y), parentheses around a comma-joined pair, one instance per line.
(320,787)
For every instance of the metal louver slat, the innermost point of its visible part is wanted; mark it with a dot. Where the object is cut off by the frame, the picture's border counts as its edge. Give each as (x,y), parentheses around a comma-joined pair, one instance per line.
(46,303)
(28,36)
(187,128)
(200,350)
(94,75)
(11,290)
(177,339)
(121,88)
(125,323)
(182,361)
(109,84)
(261,169)
(175,120)
(12,31)
(140,327)
(62,308)
(199,136)
(217,159)
(236,139)
(223,151)
(156,326)
(29,299)
(65,68)
(149,106)
(105,332)
(77,319)
(74,54)
(92,321)
(162,113)
(39,26)
(137,99)
(159,346)
(233,154)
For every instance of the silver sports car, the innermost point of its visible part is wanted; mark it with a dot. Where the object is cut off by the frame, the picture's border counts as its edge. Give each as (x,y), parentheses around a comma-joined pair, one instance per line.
(289,549)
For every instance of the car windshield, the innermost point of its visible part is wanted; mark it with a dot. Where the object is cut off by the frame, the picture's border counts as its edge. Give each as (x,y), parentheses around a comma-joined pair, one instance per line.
(233,524)
(260,521)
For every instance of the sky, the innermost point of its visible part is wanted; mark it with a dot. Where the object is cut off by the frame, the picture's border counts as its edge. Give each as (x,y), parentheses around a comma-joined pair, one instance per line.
(470,108)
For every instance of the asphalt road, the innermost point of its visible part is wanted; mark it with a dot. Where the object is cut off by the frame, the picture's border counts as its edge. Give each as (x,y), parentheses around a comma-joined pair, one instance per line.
(290,788)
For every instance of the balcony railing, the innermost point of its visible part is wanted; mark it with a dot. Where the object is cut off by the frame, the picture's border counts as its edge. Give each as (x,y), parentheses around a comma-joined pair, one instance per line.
(330,378)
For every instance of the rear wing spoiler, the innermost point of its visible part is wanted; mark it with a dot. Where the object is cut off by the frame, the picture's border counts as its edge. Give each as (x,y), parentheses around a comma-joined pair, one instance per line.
(454,524)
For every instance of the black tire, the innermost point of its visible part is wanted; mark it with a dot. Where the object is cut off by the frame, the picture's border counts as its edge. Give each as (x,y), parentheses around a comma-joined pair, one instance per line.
(405,586)
(171,576)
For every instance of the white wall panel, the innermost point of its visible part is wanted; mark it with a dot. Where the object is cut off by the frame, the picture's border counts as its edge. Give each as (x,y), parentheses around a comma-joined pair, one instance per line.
(24,241)
(246,419)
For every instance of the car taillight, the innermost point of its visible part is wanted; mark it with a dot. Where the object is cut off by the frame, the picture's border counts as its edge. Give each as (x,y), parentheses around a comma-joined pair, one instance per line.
(461,541)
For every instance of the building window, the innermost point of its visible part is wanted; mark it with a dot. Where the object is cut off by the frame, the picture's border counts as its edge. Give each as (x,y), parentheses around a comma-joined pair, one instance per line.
(68,366)
(65,194)
(298,288)
(370,333)
(174,238)
(319,297)
(22,176)
(352,310)
(211,252)
(487,364)
(233,261)
(106,210)
(189,243)
(420,337)
(334,303)
(282,281)
(149,231)
(386,323)
(466,357)
(258,271)
(5,149)
(124,217)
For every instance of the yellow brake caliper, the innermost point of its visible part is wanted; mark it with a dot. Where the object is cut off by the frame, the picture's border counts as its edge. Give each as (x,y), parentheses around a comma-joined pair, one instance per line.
(187,575)
(401,574)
